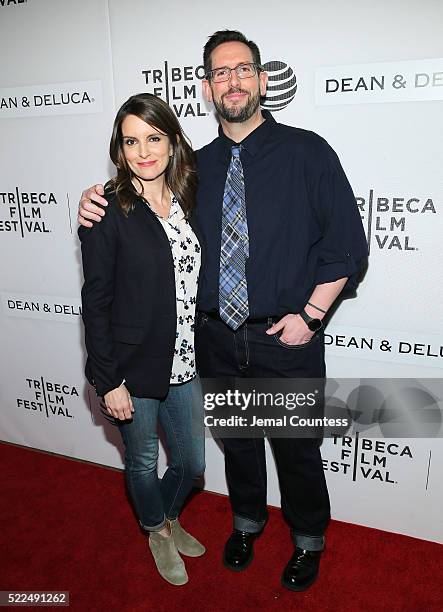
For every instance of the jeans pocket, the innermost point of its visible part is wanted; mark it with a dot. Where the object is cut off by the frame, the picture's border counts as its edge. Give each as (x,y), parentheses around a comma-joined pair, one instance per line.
(296,347)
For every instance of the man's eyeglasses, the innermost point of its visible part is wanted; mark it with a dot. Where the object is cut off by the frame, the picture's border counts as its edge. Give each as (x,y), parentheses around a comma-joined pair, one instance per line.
(243,71)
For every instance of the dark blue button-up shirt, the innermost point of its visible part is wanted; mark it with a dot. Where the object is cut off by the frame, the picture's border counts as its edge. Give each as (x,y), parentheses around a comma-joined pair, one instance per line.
(303,221)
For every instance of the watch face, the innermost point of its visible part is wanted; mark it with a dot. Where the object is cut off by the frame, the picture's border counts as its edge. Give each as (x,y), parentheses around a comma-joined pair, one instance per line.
(315,324)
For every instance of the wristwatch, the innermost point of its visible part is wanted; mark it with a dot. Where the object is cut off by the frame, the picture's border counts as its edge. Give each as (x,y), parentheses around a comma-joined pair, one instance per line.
(313,324)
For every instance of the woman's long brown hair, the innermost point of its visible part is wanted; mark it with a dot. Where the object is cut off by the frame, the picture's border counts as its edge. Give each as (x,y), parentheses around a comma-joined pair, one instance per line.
(180,174)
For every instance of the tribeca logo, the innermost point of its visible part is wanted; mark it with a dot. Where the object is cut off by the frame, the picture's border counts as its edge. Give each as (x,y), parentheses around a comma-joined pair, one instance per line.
(178,85)
(282,85)
(9,2)
(52,99)
(386,219)
(25,211)
(405,81)
(365,458)
(48,398)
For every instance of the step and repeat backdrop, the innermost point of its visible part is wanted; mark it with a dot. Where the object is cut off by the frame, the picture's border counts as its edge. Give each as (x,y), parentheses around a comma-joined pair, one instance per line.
(367,76)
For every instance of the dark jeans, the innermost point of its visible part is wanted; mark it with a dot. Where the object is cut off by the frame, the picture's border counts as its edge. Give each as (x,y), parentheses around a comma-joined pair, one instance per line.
(250,352)
(180,415)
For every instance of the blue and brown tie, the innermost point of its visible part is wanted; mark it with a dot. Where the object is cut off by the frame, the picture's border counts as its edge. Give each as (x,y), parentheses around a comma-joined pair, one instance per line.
(233,289)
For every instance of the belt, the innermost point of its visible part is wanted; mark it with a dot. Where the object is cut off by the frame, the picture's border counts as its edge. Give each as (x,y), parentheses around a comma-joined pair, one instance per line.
(250,320)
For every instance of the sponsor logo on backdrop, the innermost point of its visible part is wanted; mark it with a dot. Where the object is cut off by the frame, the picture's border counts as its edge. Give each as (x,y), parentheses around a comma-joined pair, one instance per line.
(180,87)
(12,2)
(404,81)
(56,308)
(28,212)
(358,458)
(47,398)
(53,99)
(282,85)
(385,345)
(387,219)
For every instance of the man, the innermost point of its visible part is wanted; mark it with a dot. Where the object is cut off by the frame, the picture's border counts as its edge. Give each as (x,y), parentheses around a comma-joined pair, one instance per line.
(283,237)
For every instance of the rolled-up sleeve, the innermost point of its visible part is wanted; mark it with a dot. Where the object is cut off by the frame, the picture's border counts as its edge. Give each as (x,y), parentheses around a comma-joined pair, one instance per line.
(343,249)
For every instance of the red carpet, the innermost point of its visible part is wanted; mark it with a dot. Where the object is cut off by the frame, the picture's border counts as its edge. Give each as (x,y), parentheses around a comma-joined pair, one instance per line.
(66,525)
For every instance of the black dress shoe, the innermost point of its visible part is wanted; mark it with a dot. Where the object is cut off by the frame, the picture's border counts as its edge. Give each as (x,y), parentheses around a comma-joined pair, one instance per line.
(239,550)
(301,570)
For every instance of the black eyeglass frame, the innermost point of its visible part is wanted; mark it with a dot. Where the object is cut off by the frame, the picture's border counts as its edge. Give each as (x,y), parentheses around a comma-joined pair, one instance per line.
(257,67)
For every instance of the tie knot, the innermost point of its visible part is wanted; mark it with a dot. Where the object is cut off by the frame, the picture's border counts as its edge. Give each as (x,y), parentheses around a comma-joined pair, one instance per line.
(235,150)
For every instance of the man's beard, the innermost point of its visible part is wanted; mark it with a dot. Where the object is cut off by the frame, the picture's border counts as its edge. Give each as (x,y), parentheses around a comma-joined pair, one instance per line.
(238,114)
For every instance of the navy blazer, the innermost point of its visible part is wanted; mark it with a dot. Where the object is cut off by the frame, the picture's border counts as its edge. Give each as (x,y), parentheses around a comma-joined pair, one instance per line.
(129,301)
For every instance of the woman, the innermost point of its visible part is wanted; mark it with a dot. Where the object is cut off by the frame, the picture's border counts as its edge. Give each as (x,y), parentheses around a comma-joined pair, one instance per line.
(141,266)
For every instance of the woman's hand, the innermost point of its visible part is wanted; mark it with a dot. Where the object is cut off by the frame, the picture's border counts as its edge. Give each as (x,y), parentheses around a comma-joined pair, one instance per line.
(119,404)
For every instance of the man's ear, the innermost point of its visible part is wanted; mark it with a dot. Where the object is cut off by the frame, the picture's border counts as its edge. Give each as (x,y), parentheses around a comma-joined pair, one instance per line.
(207,91)
(263,78)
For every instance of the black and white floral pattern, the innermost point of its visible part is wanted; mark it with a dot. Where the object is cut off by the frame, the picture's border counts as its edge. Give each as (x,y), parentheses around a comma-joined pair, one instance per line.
(186,254)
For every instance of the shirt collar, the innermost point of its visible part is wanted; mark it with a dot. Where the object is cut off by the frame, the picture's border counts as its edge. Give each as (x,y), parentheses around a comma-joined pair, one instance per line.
(173,211)
(252,142)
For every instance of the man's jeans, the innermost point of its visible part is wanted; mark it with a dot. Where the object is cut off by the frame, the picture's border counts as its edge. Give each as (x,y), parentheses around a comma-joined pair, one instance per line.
(249,352)
(180,415)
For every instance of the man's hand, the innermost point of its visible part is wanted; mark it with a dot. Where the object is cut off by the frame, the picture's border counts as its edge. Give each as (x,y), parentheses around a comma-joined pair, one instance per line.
(119,404)
(87,209)
(295,330)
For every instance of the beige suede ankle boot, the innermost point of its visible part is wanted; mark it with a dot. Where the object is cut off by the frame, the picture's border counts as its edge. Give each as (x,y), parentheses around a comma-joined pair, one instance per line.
(185,542)
(169,563)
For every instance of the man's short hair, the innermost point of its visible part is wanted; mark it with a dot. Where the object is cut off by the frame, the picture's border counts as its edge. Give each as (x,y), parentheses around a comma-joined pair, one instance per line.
(223,36)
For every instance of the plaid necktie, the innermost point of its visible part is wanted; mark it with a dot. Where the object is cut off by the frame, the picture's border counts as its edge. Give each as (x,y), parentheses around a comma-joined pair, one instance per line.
(233,289)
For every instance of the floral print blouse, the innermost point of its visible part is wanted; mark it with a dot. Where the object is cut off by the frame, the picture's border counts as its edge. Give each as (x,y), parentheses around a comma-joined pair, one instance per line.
(186,254)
